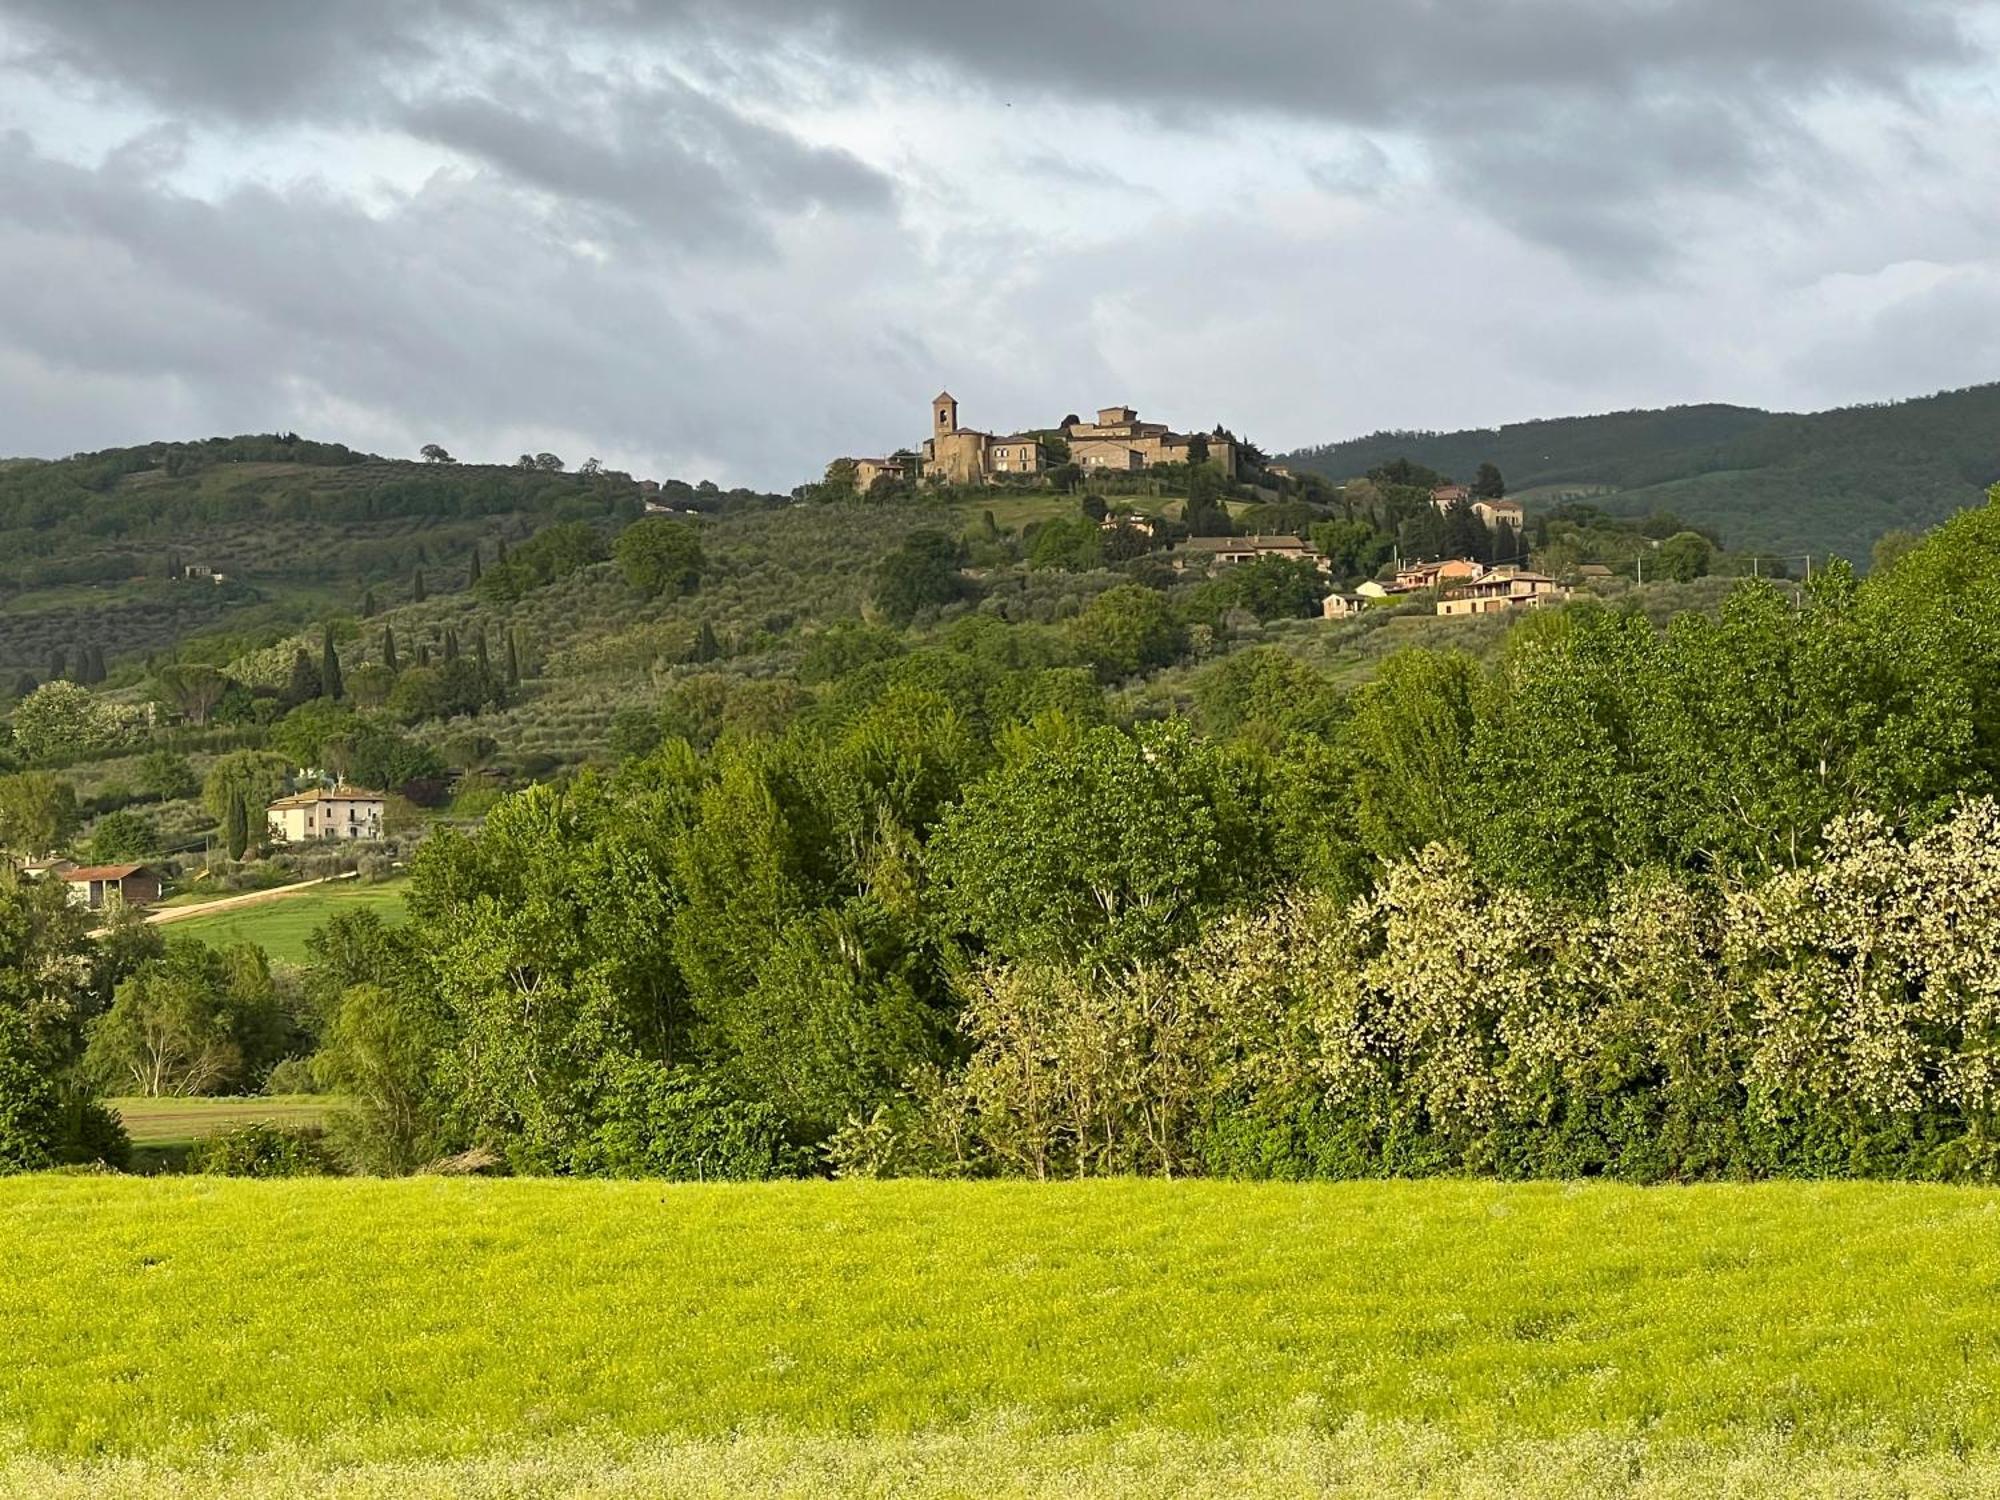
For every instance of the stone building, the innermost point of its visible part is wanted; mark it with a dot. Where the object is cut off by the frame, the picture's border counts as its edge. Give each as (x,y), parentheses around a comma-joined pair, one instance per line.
(965,455)
(868,470)
(1118,442)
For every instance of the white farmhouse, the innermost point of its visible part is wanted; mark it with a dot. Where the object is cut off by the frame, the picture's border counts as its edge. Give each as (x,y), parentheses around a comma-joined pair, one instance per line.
(340,812)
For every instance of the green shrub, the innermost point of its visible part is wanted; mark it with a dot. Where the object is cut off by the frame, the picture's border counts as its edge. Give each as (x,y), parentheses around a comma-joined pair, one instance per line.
(261,1149)
(291,1075)
(665,1122)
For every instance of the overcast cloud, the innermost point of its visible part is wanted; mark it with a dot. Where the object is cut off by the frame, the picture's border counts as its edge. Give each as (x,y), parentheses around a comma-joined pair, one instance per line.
(733,240)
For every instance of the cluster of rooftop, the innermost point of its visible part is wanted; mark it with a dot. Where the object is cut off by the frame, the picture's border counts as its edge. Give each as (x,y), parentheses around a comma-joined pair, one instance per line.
(1118,441)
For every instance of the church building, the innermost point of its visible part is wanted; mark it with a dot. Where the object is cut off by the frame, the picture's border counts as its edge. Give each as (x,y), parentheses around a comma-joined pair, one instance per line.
(964,455)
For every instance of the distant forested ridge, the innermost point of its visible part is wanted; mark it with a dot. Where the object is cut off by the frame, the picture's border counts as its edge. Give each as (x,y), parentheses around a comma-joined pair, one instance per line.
(1777,482)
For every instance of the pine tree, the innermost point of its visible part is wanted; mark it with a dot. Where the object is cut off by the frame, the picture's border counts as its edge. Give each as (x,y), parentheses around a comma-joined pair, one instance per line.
(450,644)
(237,826)
(389,648)
(513,660)
(417,587)
(472,569)
(330,685)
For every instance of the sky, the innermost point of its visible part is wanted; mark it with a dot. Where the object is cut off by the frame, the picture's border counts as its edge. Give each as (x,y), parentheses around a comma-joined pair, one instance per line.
(734,239)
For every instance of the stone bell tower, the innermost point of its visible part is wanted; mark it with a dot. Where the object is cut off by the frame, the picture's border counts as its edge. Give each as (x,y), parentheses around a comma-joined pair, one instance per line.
(944,414)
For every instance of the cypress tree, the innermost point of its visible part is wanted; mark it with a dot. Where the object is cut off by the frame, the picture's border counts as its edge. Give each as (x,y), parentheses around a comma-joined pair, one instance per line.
(472,569)
(417,587)
(479,655)
(423,653)
(330,685)
(513,661)
(450,644)
(237,827)
(304,684)
(706,646)
(368,605)
(389,648)
(500,549)
(58,666)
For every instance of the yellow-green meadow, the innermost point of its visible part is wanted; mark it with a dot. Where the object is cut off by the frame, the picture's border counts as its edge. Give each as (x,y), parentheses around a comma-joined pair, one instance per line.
(430,1336)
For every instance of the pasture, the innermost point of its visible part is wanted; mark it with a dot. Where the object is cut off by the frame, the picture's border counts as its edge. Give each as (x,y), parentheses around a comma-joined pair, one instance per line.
(181,1122)
(281,925)
(433,1337)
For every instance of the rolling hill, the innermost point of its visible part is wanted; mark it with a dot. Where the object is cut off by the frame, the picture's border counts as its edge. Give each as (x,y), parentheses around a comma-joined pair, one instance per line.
(1779,482)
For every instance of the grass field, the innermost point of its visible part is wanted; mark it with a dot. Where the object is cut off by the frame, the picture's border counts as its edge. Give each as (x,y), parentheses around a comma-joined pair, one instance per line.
(433,1337)
(180,1122)
(281,927)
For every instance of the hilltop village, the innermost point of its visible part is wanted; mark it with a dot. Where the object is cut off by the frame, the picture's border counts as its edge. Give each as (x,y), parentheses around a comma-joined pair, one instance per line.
(1466,548)
(1117,442)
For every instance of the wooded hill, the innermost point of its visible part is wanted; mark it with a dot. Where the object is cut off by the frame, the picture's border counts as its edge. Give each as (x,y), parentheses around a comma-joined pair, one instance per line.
(1779,482)
(95,548)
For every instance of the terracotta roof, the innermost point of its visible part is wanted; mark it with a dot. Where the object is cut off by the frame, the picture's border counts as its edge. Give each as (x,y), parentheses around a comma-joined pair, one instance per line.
(102,872)
(341,793)
(1253,543)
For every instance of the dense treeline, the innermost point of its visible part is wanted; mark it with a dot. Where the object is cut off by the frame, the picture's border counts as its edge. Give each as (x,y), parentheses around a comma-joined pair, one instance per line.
(1777,482)
(1703,901)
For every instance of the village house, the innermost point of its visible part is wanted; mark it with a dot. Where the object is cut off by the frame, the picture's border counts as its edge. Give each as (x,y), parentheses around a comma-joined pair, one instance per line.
(1130,520)
(1224,551)
(338,812)
(1430,575)
(38,869)
(1493,514)
(109,887)
(868,470)
(1340,606)
(1501,589)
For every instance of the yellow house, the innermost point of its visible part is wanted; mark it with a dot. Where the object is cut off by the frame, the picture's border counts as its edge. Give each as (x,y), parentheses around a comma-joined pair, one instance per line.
(341,812)
(1502,589)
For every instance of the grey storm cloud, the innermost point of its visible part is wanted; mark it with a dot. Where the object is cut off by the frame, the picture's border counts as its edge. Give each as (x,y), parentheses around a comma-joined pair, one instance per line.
(1529,106)
(622,219)
(659,156)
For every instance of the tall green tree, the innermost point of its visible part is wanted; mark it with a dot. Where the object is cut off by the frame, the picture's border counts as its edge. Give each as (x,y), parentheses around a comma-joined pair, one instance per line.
(660,558)
(38,812)
(236,829)
(330,685)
